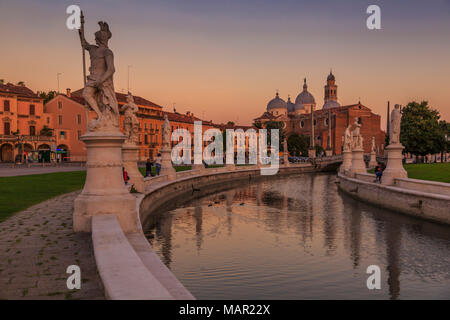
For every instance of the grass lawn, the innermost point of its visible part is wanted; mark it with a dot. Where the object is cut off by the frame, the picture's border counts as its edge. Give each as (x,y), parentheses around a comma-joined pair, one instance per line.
(428,171)
(19,193)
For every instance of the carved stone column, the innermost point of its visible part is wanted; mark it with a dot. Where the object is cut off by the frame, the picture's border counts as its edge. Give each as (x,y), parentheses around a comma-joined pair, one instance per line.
(358,164)
(373,160)
(347,163)
(104,191)
(394,168)
(130,163)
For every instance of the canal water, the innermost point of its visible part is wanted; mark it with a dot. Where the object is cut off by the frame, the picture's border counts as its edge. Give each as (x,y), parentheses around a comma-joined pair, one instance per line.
(298,237)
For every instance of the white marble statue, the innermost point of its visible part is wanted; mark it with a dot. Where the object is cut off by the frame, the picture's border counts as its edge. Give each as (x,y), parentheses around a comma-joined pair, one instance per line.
(394,129)
(348,139)
(99,88)
(374,147)
(357,139)
(131,122)
(166,132)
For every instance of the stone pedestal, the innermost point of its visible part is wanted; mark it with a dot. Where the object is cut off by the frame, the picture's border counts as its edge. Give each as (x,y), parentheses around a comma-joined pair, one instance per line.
(130,163)
(104,191)
(358,165)
(373,160)
(312,153)
(394,168)
(347,162)
(166,163)
(328,152)
(286,159)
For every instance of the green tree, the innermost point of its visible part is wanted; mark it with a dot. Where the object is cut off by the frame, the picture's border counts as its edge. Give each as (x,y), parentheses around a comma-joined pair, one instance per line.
(230,123)
(420,130)
(298,145)
(257,124)
(269,125)
(444,136)
(47,96)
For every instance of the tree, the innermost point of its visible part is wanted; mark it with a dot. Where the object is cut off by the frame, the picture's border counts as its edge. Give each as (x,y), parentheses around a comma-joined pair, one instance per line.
(20,83)
(420,131)
(269,125)
(298,145)
(257,124)
(230,123)
(47,96)
(444,136)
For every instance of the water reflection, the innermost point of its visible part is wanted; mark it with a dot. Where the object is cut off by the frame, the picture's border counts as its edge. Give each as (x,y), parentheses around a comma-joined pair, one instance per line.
(298,238)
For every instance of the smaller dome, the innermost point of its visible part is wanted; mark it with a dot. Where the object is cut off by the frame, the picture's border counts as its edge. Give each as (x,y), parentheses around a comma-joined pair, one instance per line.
(290,106)
(305,97)
(276,103)
(331,104)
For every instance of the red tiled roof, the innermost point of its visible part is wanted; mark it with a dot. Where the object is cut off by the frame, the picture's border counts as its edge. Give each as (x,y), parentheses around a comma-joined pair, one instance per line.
(172,116)
(19,90)
(121,98)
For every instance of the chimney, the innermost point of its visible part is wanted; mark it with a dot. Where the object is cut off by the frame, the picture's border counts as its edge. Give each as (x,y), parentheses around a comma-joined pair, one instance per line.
(68,92)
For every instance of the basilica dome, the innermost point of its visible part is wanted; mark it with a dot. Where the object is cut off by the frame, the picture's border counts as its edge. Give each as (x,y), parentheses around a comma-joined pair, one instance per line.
(290,106)
(276,103)
(331,104)
(305,97)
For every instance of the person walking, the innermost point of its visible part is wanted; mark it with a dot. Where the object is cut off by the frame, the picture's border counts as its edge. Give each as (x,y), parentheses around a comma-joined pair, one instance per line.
(158,163)
(378,173)
(148,168)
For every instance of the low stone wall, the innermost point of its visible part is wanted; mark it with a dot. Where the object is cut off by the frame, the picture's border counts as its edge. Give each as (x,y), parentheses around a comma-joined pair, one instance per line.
(424,186)
(425,205)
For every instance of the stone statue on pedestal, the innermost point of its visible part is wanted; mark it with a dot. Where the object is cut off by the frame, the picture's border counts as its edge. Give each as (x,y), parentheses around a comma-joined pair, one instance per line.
(131,123)
(373,148)
(394,129)
(348,139)
(357,139)
(99,88)
(166,132)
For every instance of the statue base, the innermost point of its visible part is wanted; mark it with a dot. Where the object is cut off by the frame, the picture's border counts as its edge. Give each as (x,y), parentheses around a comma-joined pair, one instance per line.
(104,191)
(358,165)
(312,153)
(130,155)
(394,168)
(347,162)
(328,152)
(286,161)
(166,163)
(373,160)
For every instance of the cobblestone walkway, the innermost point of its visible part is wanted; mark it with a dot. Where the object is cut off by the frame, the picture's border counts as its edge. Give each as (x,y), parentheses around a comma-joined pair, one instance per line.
(36,247)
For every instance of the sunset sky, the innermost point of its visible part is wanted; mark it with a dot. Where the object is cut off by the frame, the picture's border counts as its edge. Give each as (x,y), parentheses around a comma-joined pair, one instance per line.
(224,60)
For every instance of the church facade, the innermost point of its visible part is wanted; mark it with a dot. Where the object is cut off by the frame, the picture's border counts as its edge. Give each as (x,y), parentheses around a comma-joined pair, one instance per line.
(326,124)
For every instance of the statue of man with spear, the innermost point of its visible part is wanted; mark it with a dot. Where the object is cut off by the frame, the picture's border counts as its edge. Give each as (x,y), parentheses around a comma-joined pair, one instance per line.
(98,89)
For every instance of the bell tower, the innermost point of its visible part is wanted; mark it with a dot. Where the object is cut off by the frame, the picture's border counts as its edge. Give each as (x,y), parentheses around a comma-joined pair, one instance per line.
(330,88)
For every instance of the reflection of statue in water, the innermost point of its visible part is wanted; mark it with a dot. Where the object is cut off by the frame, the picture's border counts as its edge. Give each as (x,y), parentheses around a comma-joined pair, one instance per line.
(348,139)
(166,132)
(99,88)
(131,123)
(396,119)
(356,136)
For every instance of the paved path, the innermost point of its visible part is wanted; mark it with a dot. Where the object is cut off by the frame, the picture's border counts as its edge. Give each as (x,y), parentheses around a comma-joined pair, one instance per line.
(36,247)
(23,171)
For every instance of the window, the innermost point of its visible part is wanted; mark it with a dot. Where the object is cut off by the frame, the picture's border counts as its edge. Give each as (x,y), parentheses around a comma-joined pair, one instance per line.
(60,120)
(62,135)
(7,128)
(146,139)
(302,124)
(145,126)
(6,105)
(32,130)
(59,104)
(79,134)
(48,120)
(79,118)
(315,122)
(359,120)
(32,110)
(326,122)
